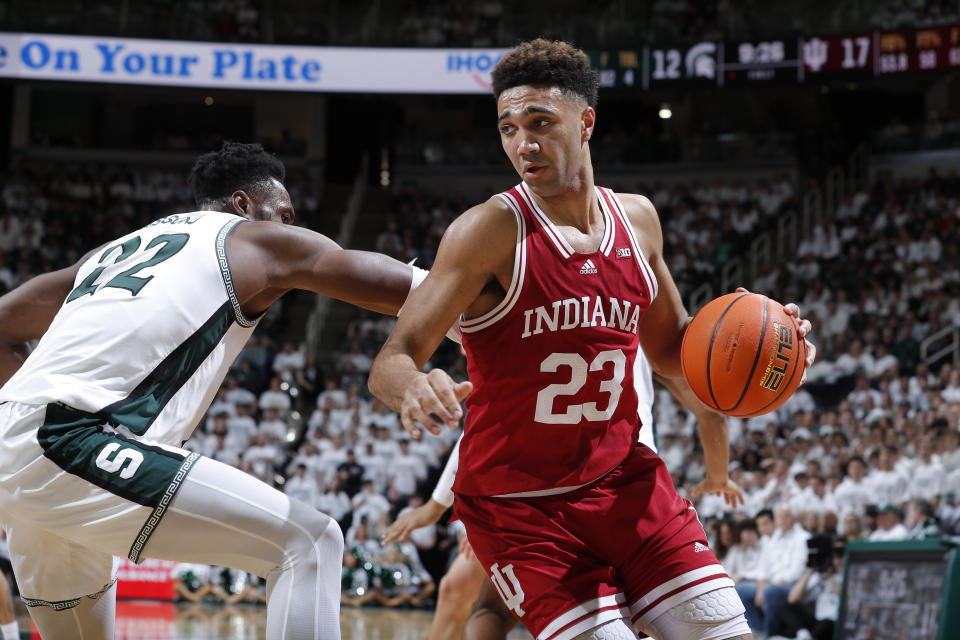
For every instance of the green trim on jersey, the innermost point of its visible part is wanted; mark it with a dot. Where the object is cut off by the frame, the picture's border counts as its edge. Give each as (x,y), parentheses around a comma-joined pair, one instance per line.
(139,410)
(224,262)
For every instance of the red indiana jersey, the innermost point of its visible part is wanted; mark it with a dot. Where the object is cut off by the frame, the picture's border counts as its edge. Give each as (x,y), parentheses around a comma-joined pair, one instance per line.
(554,404)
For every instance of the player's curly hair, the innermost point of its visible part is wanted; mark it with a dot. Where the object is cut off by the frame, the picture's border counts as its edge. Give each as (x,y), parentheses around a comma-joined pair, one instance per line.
(236,166)
(547,62)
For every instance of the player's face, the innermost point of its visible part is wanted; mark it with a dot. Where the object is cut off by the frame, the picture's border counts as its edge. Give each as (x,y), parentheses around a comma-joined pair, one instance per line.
(544,133)
(270,204)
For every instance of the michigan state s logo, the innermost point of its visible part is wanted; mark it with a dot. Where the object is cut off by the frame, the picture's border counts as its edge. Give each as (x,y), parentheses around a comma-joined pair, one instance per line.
(126,461)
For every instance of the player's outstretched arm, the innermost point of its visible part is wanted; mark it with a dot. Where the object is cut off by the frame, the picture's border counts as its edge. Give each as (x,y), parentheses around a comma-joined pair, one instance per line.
(662,326)
(715,437)
(269,259)
(476,252)
(27,311)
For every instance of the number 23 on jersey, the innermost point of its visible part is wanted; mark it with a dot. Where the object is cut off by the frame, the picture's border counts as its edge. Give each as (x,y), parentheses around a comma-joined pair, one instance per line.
(579,370)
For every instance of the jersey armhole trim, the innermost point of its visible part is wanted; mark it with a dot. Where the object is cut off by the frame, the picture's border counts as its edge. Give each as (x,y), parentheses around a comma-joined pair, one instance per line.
(642,262)
(516,283)
(225,273)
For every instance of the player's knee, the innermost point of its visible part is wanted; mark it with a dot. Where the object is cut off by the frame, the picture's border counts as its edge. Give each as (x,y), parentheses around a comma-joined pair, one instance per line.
(715,614)
(316,537)
(453,590)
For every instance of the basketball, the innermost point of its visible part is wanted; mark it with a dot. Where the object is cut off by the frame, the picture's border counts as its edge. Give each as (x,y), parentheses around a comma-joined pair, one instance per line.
(742,356)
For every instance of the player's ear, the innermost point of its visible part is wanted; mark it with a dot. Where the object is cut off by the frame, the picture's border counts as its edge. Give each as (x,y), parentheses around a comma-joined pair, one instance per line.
(588,118)
(241,204)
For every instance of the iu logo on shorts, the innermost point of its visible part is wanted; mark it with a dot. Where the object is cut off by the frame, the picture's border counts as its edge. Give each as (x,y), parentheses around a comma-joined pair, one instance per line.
(511,593)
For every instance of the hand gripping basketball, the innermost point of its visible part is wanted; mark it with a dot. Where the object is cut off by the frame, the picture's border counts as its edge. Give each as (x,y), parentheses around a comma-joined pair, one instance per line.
(744,355)
(431,401)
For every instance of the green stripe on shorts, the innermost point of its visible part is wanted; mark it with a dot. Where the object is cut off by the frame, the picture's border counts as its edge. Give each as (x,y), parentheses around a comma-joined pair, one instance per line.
(85,445)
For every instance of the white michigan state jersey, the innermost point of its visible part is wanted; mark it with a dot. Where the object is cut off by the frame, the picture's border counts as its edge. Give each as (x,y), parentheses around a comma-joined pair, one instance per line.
(148,332)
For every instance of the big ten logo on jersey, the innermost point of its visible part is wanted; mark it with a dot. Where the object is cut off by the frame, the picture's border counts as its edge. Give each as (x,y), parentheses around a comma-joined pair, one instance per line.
(582,313)
(126,461)
(777,367)
(508,587)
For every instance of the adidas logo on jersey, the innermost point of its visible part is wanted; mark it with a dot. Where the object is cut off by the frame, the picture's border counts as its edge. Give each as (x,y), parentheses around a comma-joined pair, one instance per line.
(588,268)
(624,252)
(699,546)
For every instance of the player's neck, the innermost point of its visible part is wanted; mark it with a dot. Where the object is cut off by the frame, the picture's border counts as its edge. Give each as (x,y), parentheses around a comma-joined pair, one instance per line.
(574,203)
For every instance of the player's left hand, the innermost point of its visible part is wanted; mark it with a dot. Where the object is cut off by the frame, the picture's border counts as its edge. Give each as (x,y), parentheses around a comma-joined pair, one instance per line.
(426,514)
(804,327)
(732,494)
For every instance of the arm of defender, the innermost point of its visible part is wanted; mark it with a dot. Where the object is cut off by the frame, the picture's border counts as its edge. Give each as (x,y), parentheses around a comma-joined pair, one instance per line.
(27,311)
(662,326)
(715,437)
(474,250)
(268,259)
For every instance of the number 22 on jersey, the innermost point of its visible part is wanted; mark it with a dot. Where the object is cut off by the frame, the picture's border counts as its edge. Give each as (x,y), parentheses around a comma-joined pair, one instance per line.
(169,244)
(579,371)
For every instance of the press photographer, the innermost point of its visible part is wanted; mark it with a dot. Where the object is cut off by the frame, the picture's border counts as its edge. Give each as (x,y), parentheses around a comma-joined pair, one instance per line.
(814,600)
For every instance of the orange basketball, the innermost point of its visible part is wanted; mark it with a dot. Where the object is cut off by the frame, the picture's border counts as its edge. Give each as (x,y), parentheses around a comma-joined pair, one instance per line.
(742,356)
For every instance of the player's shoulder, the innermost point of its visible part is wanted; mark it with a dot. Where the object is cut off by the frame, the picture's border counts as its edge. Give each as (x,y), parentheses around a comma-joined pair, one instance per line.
(489,221)
(639,209)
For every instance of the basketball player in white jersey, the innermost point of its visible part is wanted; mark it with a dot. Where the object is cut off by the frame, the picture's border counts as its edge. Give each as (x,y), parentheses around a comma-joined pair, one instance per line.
(135,339)
(466,590)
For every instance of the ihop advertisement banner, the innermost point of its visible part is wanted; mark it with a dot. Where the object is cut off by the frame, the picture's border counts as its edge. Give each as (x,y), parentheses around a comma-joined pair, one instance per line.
(245,66)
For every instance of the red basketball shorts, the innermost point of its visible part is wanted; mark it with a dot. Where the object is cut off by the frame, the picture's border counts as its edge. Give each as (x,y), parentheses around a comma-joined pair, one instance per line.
(625,546)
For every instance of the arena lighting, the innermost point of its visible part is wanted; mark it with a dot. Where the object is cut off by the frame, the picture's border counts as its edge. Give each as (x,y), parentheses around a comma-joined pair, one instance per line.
(665,113)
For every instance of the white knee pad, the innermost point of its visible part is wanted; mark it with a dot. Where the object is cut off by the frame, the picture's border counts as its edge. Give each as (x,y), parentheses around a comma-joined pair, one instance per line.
(614,630)
(714,615)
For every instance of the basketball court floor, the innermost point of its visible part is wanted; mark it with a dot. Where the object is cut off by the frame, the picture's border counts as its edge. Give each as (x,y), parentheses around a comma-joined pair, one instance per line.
(146,620)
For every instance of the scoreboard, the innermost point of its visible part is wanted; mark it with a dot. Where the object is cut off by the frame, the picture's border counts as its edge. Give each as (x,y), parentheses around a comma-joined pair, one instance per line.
(851,56)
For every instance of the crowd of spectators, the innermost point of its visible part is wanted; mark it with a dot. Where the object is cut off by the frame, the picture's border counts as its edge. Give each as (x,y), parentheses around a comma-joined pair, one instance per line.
(869,448)
(461,23)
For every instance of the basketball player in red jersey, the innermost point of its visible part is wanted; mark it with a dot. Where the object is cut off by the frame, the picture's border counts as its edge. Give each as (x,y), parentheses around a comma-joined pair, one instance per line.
(579,528)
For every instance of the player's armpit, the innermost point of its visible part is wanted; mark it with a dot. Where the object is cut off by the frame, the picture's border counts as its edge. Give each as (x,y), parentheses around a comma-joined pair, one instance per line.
(662,326)
(268,259)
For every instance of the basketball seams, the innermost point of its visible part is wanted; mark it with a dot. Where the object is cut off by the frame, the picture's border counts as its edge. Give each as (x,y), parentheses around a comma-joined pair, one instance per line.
(764,408)
(713,337)
(756,357)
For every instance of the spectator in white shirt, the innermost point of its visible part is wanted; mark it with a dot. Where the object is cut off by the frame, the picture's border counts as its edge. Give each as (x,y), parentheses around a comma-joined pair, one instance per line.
(743,560)
(272,425)
(927,477)
(302,486)
(242,427)
(288,362)
(261,457)
(332,396)
(888,484)
(275,397)
(883,362)
(853,494)
(369,503)
(784,561)
(889,525)
(237,395)
(335,502)
(355,358)
(405,470)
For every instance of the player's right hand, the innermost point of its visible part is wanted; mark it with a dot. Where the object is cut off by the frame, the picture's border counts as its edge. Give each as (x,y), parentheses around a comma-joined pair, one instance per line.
(426,514)
(431,401)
